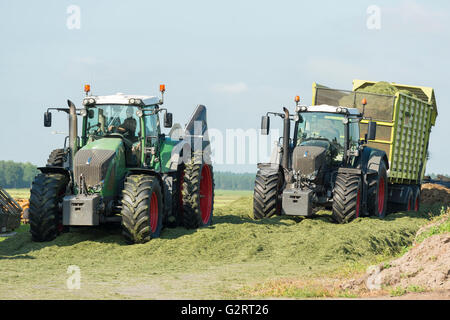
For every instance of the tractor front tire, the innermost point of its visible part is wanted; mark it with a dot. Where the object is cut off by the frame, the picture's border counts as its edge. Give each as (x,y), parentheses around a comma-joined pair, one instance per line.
(197,195)
(45,212)
(266,195)
(142,208)
(346,198)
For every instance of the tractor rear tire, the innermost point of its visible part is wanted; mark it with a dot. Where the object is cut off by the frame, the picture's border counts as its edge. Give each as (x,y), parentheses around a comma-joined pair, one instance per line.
(347,198)
(177,200)
(45,212)
(142,208)
(266,195)
(56,158)
(377,199)
(197,195)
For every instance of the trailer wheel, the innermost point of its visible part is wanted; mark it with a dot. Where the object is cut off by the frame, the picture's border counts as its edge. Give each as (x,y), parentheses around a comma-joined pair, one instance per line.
(45,213)
(197,195)
(56,158)
(377,200)
(142,208)
(416,202)
(347,198)
(266,194)
(410,200)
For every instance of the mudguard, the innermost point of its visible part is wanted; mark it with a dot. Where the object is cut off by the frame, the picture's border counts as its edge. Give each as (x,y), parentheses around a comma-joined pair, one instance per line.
(371,159)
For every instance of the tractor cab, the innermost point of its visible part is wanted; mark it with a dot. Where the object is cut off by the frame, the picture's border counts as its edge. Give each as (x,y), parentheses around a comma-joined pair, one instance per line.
(132,118)
(326,127)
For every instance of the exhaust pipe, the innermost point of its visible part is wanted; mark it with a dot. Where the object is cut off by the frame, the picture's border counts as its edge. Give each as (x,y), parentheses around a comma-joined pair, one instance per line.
(286,134)
(73,131)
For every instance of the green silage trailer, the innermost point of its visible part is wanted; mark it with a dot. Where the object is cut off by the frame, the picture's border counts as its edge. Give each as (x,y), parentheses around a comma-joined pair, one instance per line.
(404,120)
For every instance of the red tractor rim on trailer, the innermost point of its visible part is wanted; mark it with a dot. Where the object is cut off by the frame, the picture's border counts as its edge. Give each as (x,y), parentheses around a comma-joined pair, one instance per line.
(205,193)
(153,212)
(416,205)
(381,195)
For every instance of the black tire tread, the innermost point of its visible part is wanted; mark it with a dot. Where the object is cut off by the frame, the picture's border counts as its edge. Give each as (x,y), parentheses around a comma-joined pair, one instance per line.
(44,212)
(345,197)
(192,216)
(266,194)
(136,197)
(56,158)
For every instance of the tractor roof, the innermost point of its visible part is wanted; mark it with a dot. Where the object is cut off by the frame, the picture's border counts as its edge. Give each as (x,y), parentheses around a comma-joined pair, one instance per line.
(330,109)
(120,98)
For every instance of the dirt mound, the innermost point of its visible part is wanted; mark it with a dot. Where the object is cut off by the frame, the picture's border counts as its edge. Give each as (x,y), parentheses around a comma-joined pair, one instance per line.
(426,265)
(435,193)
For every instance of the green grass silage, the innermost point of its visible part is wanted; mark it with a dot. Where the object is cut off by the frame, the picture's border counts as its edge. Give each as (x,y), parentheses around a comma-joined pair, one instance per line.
(212,262)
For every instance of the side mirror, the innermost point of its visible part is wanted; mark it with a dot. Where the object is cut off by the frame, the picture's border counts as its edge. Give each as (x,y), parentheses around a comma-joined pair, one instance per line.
(372,131)
(168,120)
(47,119)
(265,125)
(91,114)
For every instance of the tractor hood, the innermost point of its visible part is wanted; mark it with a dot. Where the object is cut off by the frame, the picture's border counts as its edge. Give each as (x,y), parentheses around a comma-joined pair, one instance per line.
(99,162)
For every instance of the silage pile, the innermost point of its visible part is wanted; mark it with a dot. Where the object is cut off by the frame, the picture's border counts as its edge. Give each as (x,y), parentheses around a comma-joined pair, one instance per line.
(435,193)
(385,88)
(378,107)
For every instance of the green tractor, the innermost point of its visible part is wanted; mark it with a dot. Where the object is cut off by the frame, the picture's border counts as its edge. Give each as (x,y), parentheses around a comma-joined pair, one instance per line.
(124,169)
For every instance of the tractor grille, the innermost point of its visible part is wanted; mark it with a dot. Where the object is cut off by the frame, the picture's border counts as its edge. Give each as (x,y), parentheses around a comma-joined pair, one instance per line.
(308,159)
(93,164)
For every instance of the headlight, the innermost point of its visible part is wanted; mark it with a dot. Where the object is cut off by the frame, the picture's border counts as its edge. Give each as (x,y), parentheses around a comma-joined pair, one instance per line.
(131,101)
(138,101)
(139,113)
(83,112)
(88,101)
(339,110)
(304,109)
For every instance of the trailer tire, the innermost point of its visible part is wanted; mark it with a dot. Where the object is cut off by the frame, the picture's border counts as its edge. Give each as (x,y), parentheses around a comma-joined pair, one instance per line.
(56,158)
(45,213)
(416,202)
(142,208)
(197,195)
(266,194)
(378,193)
(346,198)
(409,205)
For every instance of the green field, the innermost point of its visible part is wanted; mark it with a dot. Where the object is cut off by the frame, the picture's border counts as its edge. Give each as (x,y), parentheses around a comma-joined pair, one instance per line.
(234,258)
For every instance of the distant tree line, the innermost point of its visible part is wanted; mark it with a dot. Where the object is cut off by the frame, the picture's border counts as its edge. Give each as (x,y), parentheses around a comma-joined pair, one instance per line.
(234,181)
(16,175)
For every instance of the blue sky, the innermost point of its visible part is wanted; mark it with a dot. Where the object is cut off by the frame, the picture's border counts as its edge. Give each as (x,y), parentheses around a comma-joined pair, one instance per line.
(239,58)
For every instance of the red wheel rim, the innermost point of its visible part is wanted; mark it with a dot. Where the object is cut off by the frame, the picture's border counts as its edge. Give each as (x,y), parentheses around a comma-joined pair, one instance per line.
(409,204)
(358,198)
(416,205)
(153,212)
(205,193)
(381,195)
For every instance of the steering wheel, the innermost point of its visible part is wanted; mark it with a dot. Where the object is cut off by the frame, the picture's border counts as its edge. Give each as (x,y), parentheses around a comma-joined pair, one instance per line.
(127,142)
(93,126)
